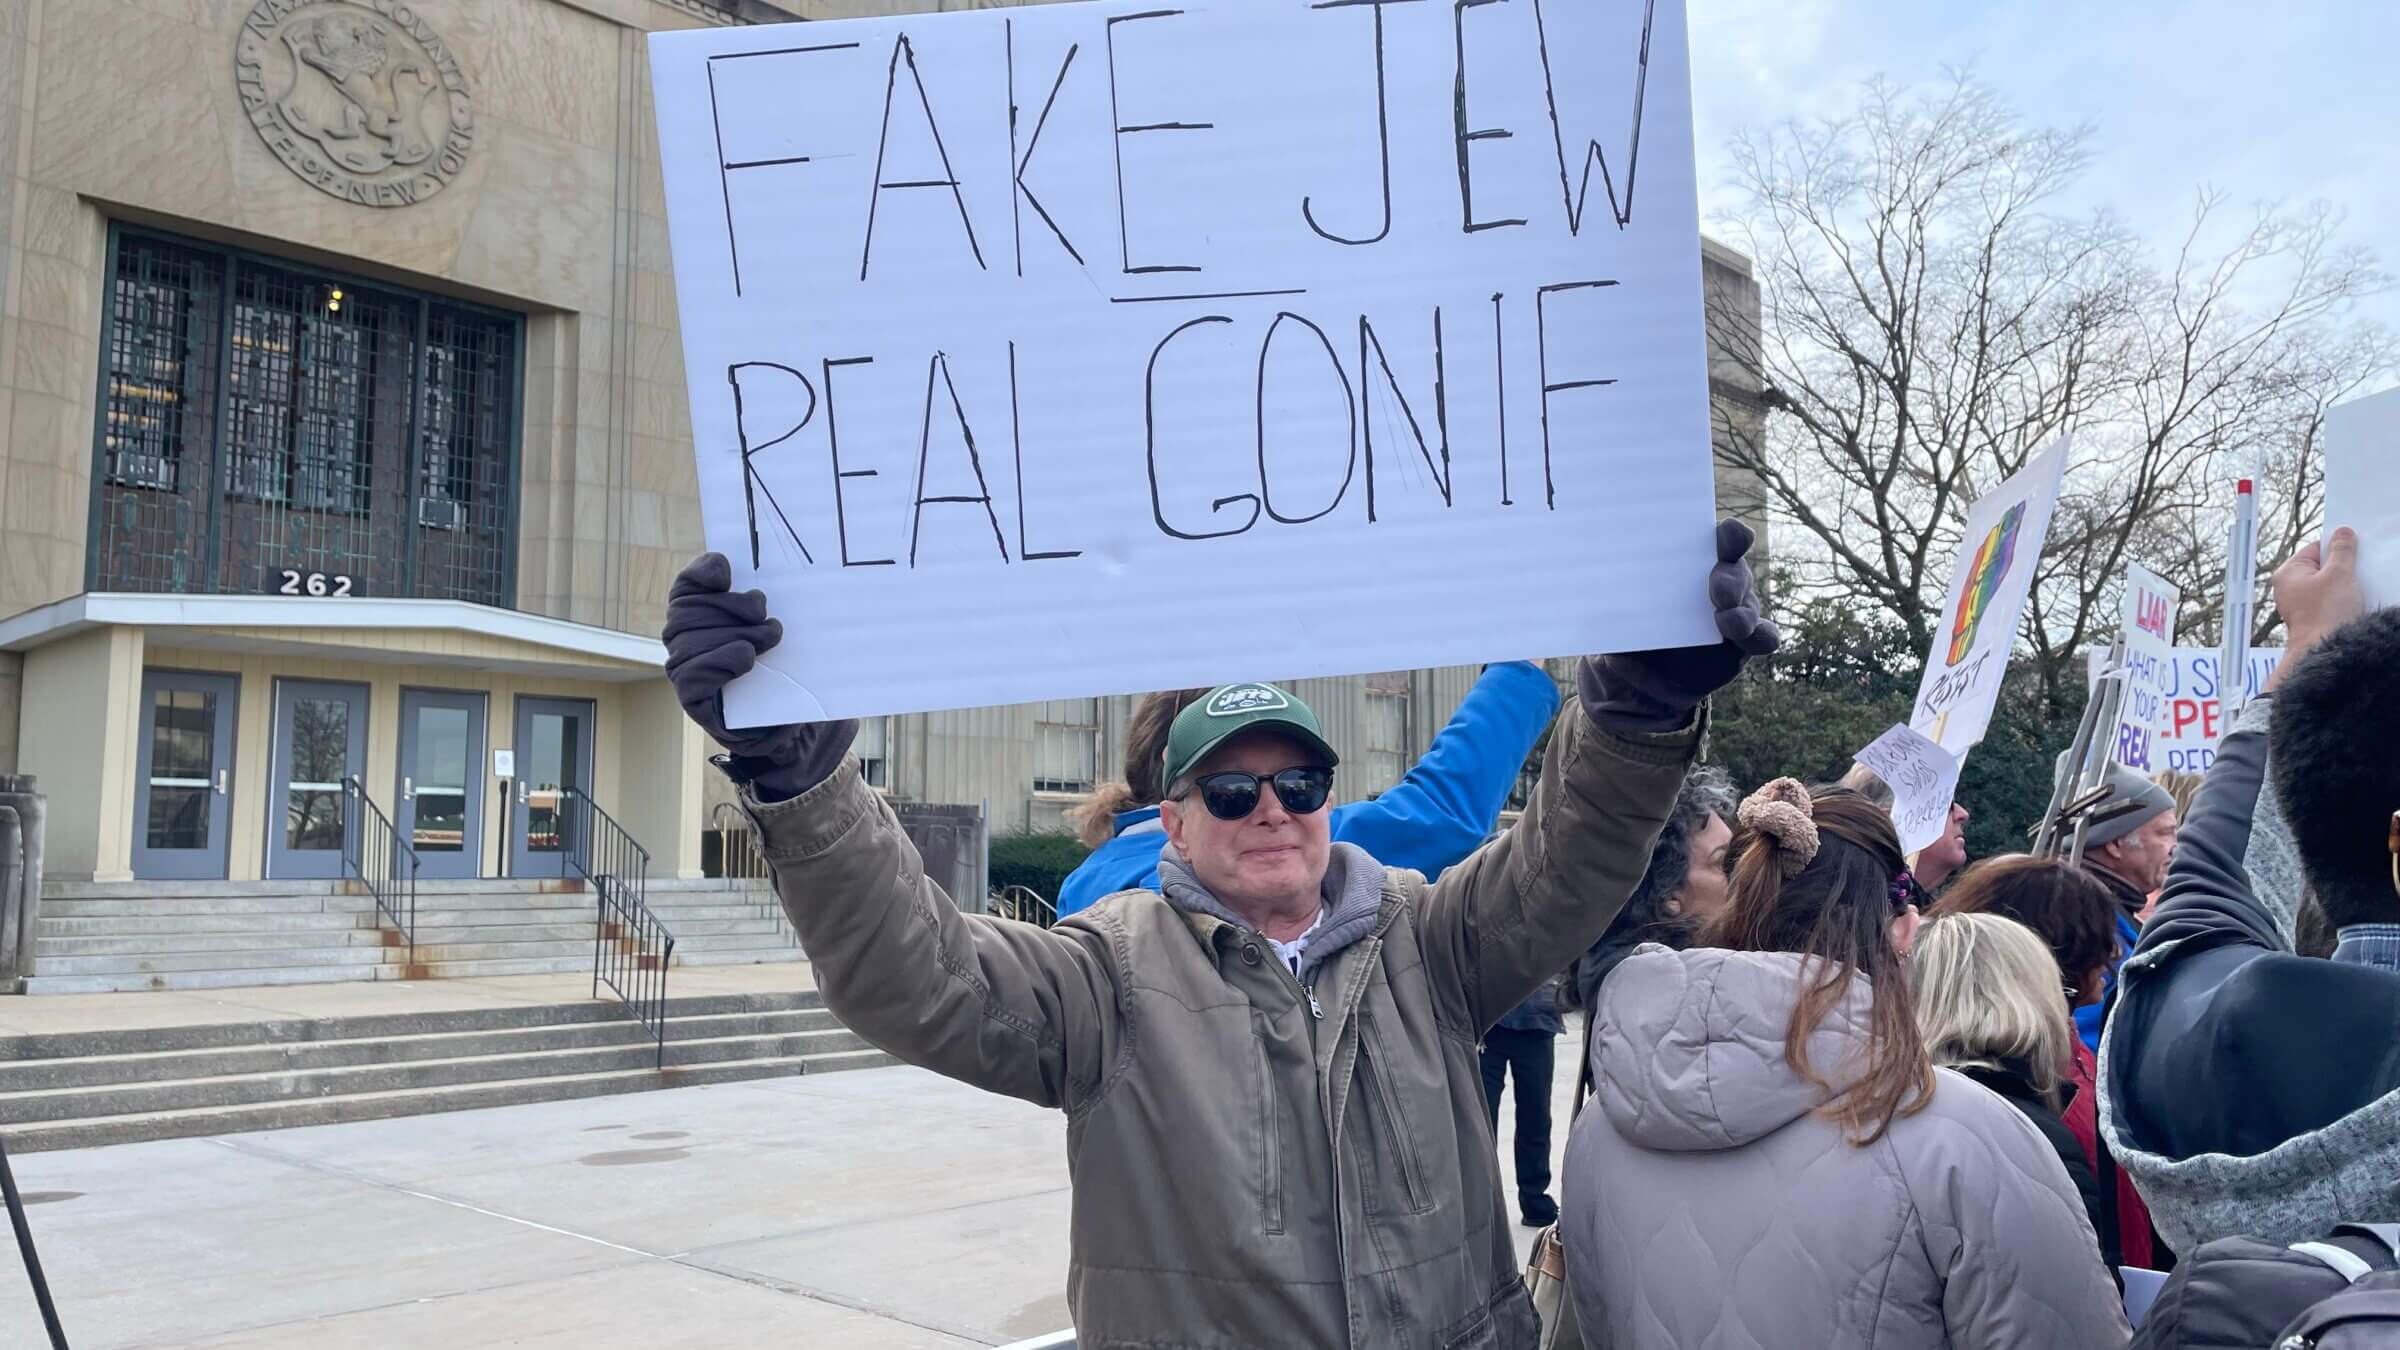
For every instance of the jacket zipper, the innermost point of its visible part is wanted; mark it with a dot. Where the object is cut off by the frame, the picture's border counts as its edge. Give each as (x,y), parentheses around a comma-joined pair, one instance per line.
(1341,1229)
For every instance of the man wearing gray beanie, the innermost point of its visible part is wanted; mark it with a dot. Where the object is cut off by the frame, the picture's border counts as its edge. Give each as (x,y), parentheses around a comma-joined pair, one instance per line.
(2129,853)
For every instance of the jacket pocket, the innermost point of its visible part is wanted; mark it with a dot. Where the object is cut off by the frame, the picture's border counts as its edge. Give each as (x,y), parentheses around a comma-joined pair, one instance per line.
(1270,1146)
(1506,1321)
(1382,1103)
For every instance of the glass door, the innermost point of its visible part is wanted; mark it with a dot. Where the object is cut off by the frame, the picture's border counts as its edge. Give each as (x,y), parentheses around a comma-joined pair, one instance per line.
(320,744)
(441,782)
(179,813)
(553,755)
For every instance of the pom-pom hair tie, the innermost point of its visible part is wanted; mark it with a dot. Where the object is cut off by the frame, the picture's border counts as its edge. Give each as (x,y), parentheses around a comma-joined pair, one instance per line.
(1782,811)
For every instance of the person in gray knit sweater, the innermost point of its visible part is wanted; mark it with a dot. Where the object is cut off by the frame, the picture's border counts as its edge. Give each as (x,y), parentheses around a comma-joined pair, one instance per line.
(2247,1089)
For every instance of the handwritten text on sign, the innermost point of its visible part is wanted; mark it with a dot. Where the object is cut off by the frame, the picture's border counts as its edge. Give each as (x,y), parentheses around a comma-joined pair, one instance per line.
(1923,778)
(1090,348)
(2195,717)
(2149,629)
(1989,585)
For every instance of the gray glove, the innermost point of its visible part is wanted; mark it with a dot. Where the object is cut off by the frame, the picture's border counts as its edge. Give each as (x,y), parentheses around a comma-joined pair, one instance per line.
(1654,691)
(713,636)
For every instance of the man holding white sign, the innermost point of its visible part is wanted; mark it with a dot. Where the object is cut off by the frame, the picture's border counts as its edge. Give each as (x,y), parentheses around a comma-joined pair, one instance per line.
(1277,1125)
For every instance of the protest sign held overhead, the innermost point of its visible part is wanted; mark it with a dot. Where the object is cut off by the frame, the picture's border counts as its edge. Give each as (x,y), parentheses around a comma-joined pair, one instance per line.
(2149,632)
(1997,553)
(2362,488)
(2241,585)
(1096,347)
(2195,708)
(1923,778)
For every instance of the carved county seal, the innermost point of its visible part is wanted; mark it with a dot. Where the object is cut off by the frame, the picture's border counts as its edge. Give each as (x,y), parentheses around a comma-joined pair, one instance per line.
(359,97)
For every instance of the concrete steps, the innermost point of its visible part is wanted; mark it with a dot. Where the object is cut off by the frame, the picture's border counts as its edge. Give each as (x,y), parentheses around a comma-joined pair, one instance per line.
(87,1089)
(107,937)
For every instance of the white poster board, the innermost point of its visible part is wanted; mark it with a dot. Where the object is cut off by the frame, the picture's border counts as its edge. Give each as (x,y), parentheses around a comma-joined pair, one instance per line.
(1923,778)
(2150,605)
(2362,488)
(1994,574)
(2195,716)
(1264,339)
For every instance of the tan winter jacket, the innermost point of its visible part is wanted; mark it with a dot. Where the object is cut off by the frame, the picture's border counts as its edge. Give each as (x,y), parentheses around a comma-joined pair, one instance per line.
(1707,1208)
(1204,1096)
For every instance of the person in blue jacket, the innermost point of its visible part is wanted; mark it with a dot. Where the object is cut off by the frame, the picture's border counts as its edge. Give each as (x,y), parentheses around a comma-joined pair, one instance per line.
(1441,812)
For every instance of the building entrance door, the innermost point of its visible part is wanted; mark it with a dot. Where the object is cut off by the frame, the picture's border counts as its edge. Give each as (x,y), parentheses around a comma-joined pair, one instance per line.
(441,782)
(179,811)
(553,757)
(320,744)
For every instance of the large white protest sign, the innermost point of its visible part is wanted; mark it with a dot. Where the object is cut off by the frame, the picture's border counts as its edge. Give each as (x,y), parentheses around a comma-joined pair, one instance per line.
(1074,349)
(2149,632)
(2195,706)
(1923,778)
(2362,488)
(1996,557)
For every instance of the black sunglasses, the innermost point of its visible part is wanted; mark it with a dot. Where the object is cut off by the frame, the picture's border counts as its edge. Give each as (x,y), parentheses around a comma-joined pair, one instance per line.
(1234,795)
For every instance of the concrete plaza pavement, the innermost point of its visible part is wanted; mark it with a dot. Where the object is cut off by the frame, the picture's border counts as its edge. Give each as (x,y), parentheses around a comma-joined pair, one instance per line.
(885,1209)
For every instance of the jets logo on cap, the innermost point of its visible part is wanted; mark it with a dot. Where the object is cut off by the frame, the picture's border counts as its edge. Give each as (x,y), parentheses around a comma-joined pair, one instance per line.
(1237,700)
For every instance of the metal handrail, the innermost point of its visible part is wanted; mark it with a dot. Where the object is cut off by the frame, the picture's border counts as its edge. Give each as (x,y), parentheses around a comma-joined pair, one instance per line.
(374,853)
(744,861)
(1025,905)
(33,1260)
(631,949)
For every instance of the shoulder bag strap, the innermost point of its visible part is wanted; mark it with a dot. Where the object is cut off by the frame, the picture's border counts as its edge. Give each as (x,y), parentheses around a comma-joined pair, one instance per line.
(1583,1072)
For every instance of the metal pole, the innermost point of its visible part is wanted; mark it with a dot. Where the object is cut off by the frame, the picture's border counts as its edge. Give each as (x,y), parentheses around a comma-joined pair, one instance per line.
(33,1262)
(2065,791)
(2076,782)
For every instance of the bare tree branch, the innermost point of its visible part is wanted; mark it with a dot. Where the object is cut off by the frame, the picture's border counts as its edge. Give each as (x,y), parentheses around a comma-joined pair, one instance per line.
(1929,319)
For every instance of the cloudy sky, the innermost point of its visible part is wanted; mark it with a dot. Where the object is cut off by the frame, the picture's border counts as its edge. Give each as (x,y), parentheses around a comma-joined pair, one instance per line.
(2291,100)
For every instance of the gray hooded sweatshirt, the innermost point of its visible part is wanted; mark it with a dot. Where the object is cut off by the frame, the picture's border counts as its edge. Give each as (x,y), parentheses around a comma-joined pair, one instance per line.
(1707,1206)
(2248,1090)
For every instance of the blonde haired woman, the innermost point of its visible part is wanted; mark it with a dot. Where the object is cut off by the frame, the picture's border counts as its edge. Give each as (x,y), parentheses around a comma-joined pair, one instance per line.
(1987,994)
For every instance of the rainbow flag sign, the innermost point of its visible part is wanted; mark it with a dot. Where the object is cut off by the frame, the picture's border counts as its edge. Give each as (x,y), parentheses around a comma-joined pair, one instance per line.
(2003,538)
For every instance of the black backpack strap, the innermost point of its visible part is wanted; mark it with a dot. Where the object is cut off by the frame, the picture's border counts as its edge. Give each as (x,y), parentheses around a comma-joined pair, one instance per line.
(2378,1244)
(2374,1299)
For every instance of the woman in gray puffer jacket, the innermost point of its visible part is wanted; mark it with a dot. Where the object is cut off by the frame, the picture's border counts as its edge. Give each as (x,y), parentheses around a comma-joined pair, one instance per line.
(1775,1162)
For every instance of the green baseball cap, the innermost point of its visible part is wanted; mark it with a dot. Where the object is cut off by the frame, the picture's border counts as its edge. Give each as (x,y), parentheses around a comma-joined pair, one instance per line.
(1227,712)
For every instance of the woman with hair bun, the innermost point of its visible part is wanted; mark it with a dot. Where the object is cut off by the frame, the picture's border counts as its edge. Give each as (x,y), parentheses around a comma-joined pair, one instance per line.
(1774,1159)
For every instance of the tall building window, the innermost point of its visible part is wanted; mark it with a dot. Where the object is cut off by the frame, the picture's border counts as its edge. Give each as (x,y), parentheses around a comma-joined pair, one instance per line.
(259,419)
(1066,745)
(1384,756)
(873,748)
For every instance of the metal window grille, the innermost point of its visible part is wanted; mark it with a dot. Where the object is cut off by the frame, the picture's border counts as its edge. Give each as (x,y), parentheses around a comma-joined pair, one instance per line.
(1066,744)
(158,408)
(258,418)
(1386,735)
(463,512)
(873,748)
